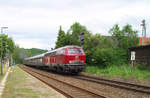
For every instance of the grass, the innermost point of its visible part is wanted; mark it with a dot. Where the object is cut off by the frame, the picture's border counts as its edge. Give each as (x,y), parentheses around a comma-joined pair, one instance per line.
(19,85)
(124,71)
(13,80)
(1,76)
(4,71)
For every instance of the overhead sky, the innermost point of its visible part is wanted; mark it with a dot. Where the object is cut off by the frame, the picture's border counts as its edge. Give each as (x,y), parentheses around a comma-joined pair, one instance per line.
(35,23)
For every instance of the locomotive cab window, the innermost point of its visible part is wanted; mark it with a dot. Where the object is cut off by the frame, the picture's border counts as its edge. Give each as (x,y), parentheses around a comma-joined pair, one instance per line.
(60,52)
(51,54)
(74,50)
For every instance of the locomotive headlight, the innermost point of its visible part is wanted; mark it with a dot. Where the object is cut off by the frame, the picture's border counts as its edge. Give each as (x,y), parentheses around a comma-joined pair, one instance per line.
(82,61)
(70,62)
(76,57)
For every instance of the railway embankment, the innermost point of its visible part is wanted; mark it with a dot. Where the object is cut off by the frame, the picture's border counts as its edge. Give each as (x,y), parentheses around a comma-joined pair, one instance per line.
(126,73)
(20,84)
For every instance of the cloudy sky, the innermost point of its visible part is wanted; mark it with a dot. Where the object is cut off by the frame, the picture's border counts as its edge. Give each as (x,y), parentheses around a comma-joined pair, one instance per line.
(35,23)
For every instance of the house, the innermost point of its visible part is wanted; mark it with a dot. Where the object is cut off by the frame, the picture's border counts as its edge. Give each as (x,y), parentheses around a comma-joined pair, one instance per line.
(142,54)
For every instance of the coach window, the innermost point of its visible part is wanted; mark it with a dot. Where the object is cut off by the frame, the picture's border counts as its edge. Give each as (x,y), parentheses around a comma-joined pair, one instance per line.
(49,54)
(63,51)
(74,50)
(58,52)
(54,53)
(38,60)
(41,60)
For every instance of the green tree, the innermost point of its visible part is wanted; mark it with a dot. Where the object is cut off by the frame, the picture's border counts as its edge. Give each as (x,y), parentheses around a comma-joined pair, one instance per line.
(74,33)
(67,40)
(34,51)
(124,39)
(71,37)
(19,54)
(7,45)
(91,41)
(99,49)
(61,38)
(15,55)
(11,45)
(110,50)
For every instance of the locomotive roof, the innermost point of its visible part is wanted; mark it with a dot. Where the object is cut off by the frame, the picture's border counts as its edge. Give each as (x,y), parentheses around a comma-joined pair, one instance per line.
(42,55)
(71,46)
(68,46)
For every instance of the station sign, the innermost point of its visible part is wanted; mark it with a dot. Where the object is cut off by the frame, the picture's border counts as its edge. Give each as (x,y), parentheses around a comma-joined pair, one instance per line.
(132,55)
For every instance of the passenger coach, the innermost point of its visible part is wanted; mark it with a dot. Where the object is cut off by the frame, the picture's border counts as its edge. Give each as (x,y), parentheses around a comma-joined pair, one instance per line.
(65,59)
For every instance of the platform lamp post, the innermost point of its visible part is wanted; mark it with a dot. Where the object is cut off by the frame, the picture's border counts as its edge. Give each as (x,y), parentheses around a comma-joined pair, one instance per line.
(2,49)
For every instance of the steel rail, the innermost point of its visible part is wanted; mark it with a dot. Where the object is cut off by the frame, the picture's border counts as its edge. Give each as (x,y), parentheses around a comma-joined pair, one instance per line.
(45,74)
(60,91)
(115,83)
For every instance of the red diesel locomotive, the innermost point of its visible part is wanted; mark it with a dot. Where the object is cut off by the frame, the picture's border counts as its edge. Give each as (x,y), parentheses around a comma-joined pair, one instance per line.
(70,59)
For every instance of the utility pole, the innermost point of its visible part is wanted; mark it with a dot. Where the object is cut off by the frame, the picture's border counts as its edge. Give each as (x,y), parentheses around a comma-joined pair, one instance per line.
(143,32)
(2,49)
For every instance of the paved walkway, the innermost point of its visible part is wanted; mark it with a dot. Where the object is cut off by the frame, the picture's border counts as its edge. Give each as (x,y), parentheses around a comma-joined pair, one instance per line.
(2,84)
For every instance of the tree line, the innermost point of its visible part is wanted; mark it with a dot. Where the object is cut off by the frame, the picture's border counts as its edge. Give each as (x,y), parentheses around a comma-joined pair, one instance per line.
(21,53)
(6,47)
(101,50)
(10,50)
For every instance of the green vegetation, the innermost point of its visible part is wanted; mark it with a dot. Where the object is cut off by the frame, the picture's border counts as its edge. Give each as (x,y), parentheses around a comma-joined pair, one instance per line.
(18,54)
(71,37)
(6,50)
(35,51)
(21,53)
(61,38)
(125,71)
(1,76)
(6,46)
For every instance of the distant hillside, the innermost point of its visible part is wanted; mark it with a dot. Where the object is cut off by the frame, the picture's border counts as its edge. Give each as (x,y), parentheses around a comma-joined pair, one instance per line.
(35,51)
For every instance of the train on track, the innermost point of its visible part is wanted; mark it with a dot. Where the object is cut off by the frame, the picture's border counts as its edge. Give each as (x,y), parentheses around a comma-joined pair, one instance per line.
(67,59)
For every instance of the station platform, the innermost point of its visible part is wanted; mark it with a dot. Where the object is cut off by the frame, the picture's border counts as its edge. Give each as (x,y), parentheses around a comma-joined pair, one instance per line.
(20,84)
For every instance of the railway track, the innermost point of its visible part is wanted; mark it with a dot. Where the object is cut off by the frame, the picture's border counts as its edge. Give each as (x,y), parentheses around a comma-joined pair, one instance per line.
(116,83)
(67,89)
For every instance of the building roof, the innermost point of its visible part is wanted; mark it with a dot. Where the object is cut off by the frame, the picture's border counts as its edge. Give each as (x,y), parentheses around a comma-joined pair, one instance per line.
(146,40)
(139,47)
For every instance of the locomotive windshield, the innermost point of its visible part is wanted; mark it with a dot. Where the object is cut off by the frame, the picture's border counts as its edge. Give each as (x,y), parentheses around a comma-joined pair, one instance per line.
(74,50)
